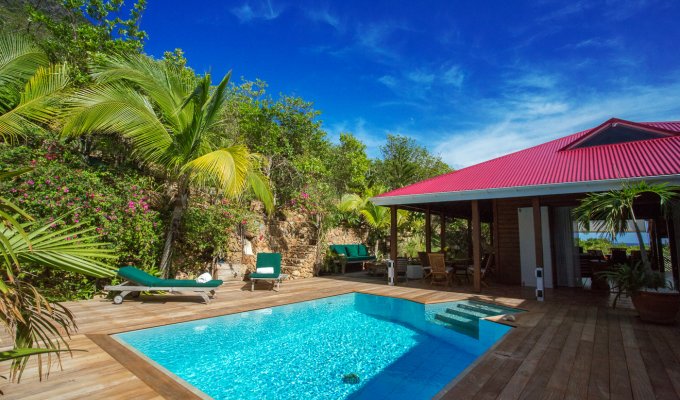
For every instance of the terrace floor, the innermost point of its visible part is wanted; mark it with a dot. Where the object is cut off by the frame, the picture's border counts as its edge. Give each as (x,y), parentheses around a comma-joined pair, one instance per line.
(569,347)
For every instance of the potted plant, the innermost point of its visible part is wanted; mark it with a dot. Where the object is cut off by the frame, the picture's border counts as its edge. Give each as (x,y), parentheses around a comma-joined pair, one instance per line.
(654,298)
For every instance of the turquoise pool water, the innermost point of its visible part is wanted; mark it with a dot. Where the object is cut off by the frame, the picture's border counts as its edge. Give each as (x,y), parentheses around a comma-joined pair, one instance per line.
(399,349)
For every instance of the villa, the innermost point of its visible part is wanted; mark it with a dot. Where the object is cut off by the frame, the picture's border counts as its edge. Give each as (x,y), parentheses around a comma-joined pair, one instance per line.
(535,190)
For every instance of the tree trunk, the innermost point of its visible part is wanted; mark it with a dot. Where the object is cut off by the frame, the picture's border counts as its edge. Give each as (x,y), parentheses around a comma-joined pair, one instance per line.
(179,206)
(641,242)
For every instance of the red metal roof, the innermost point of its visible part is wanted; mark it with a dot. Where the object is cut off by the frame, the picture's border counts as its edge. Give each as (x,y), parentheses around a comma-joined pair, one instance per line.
(554,163)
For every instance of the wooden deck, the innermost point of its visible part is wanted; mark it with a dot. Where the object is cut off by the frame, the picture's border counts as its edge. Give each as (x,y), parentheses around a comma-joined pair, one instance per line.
(569,347)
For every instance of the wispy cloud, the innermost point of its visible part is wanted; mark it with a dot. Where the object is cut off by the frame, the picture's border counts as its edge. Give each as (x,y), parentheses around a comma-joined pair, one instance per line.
(256,10)
(325,16)
(521,124)
(453,76)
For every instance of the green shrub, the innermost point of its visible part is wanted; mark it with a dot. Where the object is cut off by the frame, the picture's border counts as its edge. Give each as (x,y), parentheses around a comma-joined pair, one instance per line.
(115,202)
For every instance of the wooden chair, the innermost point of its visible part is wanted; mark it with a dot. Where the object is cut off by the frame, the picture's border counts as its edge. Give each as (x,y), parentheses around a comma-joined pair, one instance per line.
(425,262)
(487,269)
(438,275)
(400,268)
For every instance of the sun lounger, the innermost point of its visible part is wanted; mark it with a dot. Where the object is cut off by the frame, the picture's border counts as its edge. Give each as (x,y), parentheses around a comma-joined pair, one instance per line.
(268,268)
(140,281)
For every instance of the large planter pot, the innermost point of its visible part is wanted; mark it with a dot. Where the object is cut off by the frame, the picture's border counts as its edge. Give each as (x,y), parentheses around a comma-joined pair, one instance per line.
(657,307)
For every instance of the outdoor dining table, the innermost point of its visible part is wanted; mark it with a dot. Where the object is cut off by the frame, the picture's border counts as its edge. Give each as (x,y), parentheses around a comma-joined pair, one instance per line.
(457,265)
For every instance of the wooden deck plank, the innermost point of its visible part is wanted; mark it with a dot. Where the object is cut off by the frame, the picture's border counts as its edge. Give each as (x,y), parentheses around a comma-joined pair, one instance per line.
(571,346)
(598,385)
(639,379)
(579,376)
(661,383)
(619,385)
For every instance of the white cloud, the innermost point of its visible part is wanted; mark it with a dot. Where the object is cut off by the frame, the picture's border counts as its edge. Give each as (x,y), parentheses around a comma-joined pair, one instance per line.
(520,124)
(420,77)
(453,76)
(263,10)
(326,17)
(388,80)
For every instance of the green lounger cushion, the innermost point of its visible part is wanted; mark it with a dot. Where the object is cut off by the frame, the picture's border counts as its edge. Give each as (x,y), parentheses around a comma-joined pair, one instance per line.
(143,279)
(352,251)
(363,251)
(339,249)
(268,260)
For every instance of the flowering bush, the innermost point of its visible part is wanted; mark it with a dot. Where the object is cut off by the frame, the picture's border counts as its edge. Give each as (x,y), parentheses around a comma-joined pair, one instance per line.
(115,203)
(207,228)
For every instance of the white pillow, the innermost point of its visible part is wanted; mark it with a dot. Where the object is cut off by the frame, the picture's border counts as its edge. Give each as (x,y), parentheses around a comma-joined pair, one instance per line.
(203,278)
(265,270)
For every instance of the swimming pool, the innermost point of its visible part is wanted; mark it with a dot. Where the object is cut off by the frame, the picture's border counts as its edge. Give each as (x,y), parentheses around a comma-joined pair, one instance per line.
(398,349)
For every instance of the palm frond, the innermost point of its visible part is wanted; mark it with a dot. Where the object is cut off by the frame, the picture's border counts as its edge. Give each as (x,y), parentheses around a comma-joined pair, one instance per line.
(19,59)
(116,109)
(226,169)
(38,103)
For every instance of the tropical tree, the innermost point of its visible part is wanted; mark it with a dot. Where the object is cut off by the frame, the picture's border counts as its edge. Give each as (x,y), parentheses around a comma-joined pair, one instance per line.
(28,85)
(174,123)
(377,218)
(37,325)
(615,208)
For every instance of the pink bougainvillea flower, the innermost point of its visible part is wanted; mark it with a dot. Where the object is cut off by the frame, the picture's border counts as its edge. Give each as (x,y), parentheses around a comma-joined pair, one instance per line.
(65,189)
(47,181)
(30,182)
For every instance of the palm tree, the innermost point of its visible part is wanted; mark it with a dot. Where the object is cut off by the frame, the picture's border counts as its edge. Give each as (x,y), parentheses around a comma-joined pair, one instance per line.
(37,325)
(174,123)
(376,217)
(28,85)
(615,208)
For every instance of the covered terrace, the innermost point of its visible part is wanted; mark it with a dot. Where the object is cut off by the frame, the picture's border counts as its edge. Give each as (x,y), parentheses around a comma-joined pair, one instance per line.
(534,190)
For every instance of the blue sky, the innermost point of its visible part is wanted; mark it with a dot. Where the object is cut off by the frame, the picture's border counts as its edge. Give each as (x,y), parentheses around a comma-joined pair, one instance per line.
(470,80)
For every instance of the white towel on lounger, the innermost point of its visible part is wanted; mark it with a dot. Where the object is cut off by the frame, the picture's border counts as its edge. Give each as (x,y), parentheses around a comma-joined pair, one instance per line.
(265,270)
(203,278)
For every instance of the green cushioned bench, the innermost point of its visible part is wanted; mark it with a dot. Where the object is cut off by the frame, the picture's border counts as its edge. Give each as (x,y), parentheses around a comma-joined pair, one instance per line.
(140,281)
(351,254)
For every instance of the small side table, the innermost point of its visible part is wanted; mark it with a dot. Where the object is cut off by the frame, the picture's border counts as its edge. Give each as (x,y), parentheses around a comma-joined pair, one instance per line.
(414,271)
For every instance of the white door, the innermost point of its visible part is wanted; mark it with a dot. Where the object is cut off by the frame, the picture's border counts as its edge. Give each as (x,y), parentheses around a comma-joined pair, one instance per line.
(527,249)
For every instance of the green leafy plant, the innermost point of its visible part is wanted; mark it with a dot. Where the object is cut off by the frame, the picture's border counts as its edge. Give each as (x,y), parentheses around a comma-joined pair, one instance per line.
(174,125)
(627,279)
(37,325)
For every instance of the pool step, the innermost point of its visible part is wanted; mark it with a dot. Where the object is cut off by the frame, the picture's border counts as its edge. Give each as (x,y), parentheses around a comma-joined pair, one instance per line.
(483,308)
(464,317)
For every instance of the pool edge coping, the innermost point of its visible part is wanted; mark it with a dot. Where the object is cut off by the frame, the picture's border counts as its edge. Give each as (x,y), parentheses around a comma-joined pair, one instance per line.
(149,378)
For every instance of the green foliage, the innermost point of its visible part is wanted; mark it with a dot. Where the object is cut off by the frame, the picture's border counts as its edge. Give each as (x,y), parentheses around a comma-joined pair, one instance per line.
(83,28)
(615,208)
(116,204)
(27,316)
(628,279)
(207,229)
(404,162)
(349,165)
(28,87)
(287,133)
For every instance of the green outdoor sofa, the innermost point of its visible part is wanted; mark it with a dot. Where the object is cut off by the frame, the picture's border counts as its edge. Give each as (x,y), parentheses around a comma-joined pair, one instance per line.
(350,254)
(139,281)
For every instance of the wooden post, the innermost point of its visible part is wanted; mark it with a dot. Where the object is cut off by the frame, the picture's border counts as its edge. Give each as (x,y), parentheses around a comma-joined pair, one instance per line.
(476,246)
(393,233)
(469,237)
(538,231)
(442,231)
(494,240)
(674,244)
(428,231)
